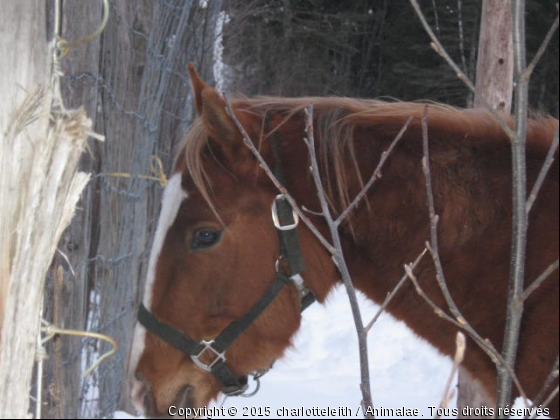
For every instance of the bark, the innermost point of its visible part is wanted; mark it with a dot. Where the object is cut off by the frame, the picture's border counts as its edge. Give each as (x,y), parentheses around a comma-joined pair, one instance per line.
(494,70)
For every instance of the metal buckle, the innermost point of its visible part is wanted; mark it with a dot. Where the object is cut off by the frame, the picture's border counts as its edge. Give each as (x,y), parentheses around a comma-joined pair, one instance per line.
(208,346)
(276,220)
(296,279)
(299,284)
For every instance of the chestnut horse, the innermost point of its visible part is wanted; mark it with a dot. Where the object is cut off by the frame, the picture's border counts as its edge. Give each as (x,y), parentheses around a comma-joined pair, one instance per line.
(213,259)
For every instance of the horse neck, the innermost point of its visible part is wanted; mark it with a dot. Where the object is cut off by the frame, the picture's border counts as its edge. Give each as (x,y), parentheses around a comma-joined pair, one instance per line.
(391,227)
(471,177)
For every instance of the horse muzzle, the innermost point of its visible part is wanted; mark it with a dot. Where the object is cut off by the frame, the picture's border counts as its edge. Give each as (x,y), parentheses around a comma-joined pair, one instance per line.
(143,399)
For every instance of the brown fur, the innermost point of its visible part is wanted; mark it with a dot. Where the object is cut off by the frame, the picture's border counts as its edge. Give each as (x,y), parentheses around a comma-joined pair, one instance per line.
(201,292)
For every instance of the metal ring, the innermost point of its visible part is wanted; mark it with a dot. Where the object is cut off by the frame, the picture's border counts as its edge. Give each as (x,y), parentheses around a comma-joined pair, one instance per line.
(255,391)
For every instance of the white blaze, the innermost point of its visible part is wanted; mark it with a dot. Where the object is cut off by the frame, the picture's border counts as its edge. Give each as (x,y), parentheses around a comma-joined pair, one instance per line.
(173,196)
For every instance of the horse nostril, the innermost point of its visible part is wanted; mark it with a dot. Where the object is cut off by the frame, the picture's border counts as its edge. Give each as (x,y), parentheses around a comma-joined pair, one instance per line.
(142,395)
(184,397)
(149,402)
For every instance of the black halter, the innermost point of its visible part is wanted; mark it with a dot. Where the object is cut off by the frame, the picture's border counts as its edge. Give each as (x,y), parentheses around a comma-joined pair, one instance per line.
(285,220)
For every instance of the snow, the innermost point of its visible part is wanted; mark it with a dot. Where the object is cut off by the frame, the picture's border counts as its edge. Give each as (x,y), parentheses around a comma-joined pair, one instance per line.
(219,67)
(89,355)
(322,369)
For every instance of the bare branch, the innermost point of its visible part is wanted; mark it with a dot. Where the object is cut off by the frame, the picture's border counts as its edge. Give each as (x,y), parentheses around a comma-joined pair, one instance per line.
(314,213)
(438,47)
(484,344)
(375,176)
(519,205)
(434,218)
(440,277)
(529,70)
(552,395)
(539,280)
(340,262)
(461,34)
(549,380)
(460,346)
(437,310)
(549,160)
(249,143)
(393,292)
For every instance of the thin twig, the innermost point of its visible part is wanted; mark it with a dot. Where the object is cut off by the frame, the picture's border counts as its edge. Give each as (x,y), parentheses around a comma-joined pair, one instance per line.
(437,310)
(485,345)
(549,160)
(529,70)
(539,280)
(460,346)
(552,395)
(314,213)
(436,16)
(549,380)
(393,292)
(249,143)
(340,262)
(438,47)
(440,277)
(375,176)
(461,34)
(433,246)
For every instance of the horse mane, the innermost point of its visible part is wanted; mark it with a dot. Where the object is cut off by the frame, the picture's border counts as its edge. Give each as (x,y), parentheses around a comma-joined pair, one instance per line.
(337,118)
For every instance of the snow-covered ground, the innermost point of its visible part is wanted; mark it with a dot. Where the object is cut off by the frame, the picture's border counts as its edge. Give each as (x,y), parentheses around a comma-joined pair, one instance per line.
(322,370)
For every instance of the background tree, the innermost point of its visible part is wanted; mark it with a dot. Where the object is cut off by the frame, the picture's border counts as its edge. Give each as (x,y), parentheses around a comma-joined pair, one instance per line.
(370,49)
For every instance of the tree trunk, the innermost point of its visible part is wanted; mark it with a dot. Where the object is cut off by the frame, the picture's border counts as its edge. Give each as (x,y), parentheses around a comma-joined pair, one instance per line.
(494,85)
(494,70)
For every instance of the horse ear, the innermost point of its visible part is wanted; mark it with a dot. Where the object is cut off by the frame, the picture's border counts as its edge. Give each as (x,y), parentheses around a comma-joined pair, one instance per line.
(198,86)
(211,107)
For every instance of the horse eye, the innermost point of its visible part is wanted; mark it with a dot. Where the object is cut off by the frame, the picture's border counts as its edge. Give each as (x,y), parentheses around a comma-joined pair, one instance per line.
(205,238)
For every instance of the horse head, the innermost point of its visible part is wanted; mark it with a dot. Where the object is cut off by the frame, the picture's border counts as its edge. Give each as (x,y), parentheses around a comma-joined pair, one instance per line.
(215,276)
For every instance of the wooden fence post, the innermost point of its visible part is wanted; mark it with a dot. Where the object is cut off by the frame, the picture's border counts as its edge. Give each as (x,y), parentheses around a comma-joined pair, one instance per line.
(39,188)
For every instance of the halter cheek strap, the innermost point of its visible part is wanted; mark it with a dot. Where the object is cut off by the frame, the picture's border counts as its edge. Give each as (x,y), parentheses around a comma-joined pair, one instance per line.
(232,384)
(285,220)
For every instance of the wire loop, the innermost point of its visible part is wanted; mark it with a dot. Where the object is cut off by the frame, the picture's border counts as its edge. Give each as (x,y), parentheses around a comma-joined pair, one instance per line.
(50,331)
(62,44)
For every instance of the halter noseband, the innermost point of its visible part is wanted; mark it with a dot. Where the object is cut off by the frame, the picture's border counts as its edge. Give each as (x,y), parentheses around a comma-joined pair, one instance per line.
(285,220)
